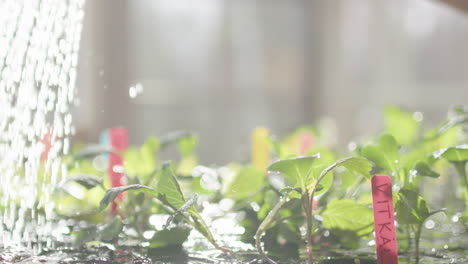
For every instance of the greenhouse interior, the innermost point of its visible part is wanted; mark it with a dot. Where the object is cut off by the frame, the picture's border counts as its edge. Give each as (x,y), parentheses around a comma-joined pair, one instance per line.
(251,132)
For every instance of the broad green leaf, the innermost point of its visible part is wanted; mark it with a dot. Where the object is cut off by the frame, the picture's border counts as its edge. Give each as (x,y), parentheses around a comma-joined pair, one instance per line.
(142,161)
(111,230)
(112,193)
(278,149)
(83,208)
(170,194)
(296,170)
(326,158)
(168,187)
(132,161)
(384,154)
(357,165)
(85,180)
(186,165)
(247,182)
(348,179)
(458,153)
(187,145)
(149,154)
(410,207)
(260,148)
(169,237)
(423,169)
(348,215)
(365,199)
(430,145)
(401,124)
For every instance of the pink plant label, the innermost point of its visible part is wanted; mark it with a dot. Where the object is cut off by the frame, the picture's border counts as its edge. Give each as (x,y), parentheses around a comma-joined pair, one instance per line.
(384,220)
(306,141)
(118,140)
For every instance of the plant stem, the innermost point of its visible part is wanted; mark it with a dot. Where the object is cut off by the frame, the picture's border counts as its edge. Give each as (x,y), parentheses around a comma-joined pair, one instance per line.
(460,167)
(306,203)
(408,237)
(416,243)
(266,224)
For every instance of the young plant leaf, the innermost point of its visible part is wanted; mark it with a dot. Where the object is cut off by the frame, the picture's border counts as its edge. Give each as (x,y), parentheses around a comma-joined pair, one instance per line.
(246,183)
(187,145)
(171,195)
(169,237)
(86,180)
(423,169)
(401,124)
(358,165)
(297,170)
(168,188)
(184,208)
(112,193)
(384,154)
(348,215)
(142,161)
(410,207)
(456,154)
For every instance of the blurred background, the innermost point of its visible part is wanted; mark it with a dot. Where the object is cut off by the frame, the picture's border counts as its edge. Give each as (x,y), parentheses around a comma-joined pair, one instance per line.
(222,68)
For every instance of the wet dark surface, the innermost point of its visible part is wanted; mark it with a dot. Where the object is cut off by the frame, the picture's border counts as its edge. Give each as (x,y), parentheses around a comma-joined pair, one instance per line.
(102,254)
(434,250)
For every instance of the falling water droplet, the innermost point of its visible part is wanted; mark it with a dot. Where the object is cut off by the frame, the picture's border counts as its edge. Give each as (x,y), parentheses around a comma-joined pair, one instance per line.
(136,90)
(352,146)
(418,116)
(429,224)
(38,57)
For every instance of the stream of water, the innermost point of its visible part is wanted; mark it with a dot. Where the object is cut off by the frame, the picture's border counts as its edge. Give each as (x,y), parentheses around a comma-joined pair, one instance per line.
(39,43)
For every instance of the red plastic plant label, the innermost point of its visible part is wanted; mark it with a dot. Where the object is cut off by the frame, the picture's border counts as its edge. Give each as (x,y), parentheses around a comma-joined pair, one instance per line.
(118,140)
(384,220)
(306,141)
(47,141)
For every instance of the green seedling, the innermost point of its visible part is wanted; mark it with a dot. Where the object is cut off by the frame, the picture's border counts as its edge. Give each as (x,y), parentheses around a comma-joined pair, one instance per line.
(168,192)
(307,177)
(412,211)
